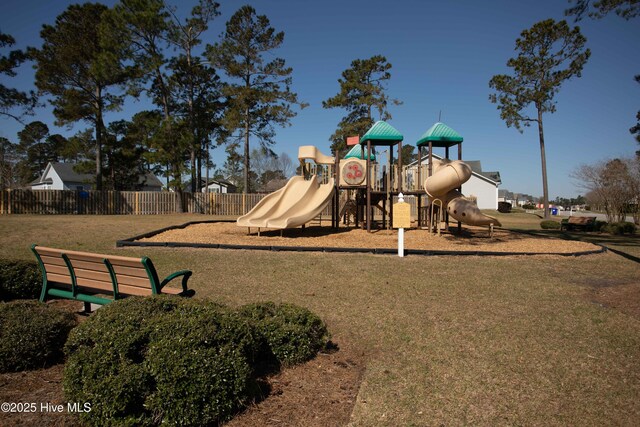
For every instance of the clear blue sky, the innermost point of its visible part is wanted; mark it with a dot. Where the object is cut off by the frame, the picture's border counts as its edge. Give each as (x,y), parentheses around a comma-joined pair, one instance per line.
(443,55)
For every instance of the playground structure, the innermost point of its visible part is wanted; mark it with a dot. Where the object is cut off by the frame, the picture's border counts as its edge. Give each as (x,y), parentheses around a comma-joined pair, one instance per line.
(369,185)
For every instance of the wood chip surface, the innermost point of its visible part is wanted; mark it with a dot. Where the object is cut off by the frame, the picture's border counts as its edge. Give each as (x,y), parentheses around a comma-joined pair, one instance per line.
(471,239)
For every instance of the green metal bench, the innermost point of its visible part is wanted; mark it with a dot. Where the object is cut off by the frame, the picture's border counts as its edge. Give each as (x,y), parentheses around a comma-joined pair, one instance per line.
(101,279)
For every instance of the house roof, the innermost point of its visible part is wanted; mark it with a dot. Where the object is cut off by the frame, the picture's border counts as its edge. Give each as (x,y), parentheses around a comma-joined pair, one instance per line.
(440,135)
(66,172)
(382,133)
(149,179)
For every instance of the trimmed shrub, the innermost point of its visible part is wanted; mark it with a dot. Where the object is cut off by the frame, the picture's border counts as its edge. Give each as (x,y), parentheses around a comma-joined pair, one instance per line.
(32,335)
(19,280)
(290,334)
(599,225)
(504,207)
(628,228)
(549,224)
(529,206)
(146,361)
(620,228)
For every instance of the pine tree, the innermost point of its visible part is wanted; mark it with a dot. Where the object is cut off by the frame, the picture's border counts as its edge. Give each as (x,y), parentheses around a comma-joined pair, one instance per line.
(79,72)
(259,94)
(549,53)
(362,91)
(626,9)
(10,98)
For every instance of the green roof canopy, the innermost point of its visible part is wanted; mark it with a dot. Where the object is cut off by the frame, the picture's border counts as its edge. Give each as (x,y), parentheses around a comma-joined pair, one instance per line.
(382,133)
(356,152)
(440,135)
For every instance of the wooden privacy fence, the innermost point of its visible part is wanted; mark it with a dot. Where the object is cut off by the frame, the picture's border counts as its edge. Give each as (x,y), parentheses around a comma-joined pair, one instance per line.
(63,202)
(52,202)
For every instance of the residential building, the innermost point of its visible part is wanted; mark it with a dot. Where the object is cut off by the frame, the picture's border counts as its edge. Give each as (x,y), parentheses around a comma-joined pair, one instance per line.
(63,176)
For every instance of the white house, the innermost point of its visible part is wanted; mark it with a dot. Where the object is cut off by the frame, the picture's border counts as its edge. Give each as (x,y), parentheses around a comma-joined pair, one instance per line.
(218,186)
(214,186)
(62,176)
(482,185)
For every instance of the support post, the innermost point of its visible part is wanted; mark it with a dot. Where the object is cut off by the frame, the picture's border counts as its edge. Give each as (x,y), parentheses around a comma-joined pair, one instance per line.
(399,177)
(429,173)
(368,212)
(459,189)
(400,232)
(419,185)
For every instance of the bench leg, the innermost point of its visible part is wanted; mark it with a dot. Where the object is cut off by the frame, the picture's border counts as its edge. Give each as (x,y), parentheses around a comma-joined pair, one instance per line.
(87,307)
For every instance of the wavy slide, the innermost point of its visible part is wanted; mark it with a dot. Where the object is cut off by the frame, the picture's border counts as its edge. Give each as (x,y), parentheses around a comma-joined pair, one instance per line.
(447,176)
(293,205)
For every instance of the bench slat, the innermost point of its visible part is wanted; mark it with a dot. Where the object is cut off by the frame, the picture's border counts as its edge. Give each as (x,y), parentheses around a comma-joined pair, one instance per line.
(131,271)
(57,278)
(141,282)
(54,272)
(87,256)
(54,260)
(57,271)
(128,262)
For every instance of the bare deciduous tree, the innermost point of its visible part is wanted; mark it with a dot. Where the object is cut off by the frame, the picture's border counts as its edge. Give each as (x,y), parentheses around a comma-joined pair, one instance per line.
(612,185)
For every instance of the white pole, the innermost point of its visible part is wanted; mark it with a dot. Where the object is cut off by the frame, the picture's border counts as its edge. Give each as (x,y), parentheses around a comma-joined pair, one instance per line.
(400,231)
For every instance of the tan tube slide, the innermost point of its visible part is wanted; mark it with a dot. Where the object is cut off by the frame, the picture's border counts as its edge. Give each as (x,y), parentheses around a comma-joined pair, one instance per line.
(442,184)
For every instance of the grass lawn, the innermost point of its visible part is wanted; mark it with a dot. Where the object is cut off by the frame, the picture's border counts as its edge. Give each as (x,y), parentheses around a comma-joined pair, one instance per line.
(447,340)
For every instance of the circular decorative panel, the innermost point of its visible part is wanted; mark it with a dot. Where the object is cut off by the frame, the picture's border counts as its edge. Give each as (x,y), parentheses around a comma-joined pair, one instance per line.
(353,173)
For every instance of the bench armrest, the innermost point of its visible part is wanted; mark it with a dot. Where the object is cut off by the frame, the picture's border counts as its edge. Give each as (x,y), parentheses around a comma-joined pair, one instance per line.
(186,274)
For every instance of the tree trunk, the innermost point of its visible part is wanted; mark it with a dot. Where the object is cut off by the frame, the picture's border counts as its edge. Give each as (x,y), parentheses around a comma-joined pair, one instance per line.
(246,151)
(194,180)
(99,127)
(543,159)
(199,159)
(167,117)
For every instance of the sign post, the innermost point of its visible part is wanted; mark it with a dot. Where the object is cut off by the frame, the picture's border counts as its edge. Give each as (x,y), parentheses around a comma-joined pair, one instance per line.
(401,220)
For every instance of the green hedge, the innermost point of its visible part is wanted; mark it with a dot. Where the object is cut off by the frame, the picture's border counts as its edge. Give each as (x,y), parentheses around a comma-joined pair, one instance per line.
(619,228)
(549,224)
(289,334)
(19,280)
(169,360)
(145,361)
(32,335)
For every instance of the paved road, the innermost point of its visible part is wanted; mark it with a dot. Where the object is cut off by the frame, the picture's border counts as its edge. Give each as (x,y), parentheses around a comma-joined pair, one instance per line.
(599,216)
